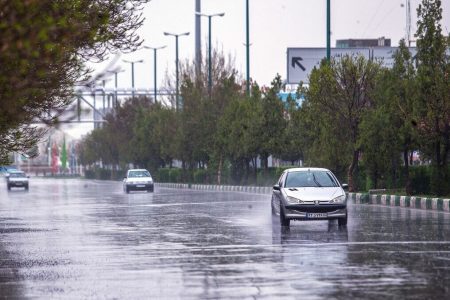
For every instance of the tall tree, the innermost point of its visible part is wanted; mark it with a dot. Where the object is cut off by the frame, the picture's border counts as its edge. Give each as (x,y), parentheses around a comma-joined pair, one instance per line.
(271,122)
(339,94)
(44,47)
(292,136)
(400,91)
(432,108)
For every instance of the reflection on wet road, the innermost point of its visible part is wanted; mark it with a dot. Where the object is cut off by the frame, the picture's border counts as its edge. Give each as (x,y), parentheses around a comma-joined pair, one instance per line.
(88,239)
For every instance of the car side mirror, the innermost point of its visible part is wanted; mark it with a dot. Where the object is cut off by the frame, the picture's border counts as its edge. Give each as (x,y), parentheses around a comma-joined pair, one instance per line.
(344,186)
(276,187)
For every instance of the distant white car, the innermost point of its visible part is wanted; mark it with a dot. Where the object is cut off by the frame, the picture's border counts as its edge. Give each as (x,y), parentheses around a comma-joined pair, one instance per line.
(138,180)
(309,194)
(17,179)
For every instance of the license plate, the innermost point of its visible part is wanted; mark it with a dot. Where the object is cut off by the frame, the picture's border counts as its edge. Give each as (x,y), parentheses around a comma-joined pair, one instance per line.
(316,215)
(140,185)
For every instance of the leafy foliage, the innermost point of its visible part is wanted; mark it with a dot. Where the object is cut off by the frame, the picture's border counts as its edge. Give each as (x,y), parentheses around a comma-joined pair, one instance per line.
(45,45)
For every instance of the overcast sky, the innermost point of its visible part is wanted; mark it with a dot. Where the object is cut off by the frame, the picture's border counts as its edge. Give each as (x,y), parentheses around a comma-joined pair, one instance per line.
(275,25)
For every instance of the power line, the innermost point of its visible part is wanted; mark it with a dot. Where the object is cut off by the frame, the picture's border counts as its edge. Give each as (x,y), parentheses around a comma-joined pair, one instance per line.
(373,17)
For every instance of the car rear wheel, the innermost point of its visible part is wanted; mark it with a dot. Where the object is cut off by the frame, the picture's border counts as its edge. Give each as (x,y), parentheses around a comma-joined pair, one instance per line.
(127,190)
(9,187)
(285,222)
(26,187)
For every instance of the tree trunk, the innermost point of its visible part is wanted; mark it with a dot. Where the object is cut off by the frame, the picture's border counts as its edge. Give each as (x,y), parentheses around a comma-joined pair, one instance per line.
(264,162)
(351,169)
(255,170)
(219,171)
(408,187)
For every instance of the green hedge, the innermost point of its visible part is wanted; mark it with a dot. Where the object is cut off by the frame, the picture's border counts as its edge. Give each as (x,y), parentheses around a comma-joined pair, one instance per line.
(420,177)
(104,174)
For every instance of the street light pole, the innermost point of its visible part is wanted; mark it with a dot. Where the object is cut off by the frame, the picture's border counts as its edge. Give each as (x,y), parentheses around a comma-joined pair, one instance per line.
(328,31)
(248,46)
(210,47)
(115,72)
(176,63)
(155,49)
(132,72)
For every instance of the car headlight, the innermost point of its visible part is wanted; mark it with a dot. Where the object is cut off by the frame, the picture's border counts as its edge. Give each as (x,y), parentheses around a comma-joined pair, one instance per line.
(293,200)
(339,199)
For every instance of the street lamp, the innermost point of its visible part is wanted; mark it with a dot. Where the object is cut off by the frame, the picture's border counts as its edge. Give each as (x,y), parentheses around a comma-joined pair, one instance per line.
(247,44)
(176,61)
(209,45)
(328,31)
(132,62)
(115,72)
(154,61)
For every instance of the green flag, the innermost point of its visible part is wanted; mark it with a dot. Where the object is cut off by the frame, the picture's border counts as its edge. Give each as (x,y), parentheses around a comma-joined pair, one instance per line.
(64,155)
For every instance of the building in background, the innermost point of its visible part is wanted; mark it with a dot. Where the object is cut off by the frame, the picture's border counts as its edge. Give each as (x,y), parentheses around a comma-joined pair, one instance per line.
(362,43)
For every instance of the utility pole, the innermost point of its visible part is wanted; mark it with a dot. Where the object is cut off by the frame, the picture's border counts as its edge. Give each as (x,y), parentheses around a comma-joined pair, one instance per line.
(210,48)
(132,72)
(115,72)
(248,46)
(408,23)
(328,31)
(176,64)
(198,37)
(155,49)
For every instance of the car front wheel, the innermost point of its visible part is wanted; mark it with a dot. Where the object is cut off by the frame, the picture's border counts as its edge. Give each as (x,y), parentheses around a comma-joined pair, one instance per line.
(285,222)
(274,212)
(342,221)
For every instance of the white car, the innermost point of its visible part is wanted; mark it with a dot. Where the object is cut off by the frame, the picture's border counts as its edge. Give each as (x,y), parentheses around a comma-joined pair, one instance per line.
(138,180)
(309,194)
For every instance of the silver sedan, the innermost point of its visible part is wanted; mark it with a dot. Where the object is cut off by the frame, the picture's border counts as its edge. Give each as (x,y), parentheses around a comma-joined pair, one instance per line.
(309,194)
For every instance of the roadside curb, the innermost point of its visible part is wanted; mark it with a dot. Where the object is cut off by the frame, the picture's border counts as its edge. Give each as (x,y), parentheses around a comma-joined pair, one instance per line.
(229,188)
(437,204)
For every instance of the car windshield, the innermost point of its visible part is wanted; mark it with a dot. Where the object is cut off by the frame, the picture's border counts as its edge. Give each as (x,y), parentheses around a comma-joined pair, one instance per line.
(134,174)
(17,175)
(310,179)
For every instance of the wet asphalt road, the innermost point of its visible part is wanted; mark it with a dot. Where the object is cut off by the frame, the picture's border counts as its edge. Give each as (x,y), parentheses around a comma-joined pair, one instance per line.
(88,240)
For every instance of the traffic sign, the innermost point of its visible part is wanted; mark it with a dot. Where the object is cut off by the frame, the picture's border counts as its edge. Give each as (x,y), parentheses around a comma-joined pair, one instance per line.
(301,61)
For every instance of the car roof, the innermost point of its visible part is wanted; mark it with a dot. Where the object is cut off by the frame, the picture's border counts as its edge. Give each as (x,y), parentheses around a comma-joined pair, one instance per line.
(137,170)
(15,171)
(306,169)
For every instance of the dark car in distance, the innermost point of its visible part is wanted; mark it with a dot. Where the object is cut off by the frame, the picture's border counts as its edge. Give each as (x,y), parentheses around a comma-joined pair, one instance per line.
(17,179)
